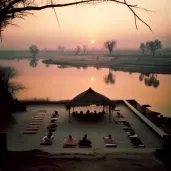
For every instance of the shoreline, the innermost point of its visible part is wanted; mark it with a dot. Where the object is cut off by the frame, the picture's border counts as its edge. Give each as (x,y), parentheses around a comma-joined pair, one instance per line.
(140,65)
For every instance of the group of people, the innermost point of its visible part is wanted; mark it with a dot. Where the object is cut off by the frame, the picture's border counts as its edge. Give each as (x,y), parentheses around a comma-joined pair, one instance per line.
(48,139)
(88,112)
(71,141)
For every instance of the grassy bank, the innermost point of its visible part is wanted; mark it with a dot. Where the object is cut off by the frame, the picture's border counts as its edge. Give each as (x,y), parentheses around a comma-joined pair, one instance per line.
(128,64)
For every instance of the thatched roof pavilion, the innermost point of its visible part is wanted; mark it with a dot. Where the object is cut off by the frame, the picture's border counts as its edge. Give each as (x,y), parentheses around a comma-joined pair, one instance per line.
(90,97)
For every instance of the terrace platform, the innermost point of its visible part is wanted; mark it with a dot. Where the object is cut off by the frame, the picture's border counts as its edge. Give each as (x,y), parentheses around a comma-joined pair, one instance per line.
(17,141)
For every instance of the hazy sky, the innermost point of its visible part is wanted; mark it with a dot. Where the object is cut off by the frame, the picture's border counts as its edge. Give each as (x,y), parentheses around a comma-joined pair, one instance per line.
(82,23)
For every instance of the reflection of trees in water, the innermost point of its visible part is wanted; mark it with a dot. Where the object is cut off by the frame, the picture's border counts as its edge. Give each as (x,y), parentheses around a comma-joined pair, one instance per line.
(150,80)
(34,62)
(110,78)
(85,67)
(47,65)
(98,68)
(62,66)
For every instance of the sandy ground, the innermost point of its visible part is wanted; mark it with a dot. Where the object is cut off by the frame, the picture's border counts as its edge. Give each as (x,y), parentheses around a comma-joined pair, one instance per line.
(112,162)
(96,131)
(143,64)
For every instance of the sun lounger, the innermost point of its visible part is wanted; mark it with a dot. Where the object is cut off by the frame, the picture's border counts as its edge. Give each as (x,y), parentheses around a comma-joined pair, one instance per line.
(40,114)
(51,129)
(136,142)
(84,143)
(46,143)
(34,123)
(130,133)
(30,132)
(52,126)
(109,142)
(31,129)
(41,111)
(133,136)
(37,120)
(84,146)
(121,119)
(69,143)
(128,129)
(120,116)
(33,126)
(126,124)
(54,119)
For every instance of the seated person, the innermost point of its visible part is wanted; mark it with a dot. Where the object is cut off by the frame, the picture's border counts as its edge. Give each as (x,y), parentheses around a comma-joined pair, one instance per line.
(85,141)
(48,138)
(95,112)
(109,140)
(54,115)
(103,112)
(119,115)
(73,113)
(70,141)
(52,125)
(88,112)
(76,113)
(56,112)
(81,112)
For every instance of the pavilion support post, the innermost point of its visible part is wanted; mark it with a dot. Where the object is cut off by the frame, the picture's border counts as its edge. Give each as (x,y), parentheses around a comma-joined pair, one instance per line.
(73,109)
(110,118)
(69,116)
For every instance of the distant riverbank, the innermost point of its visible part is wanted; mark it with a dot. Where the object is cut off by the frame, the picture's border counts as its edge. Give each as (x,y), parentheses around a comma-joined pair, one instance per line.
(141,64)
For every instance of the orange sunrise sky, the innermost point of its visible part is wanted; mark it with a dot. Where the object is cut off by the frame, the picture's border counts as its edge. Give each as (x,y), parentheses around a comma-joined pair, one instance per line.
(82,23)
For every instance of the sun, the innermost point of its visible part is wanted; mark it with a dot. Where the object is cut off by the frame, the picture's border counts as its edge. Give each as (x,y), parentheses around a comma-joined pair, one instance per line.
(92,41)
(92,79)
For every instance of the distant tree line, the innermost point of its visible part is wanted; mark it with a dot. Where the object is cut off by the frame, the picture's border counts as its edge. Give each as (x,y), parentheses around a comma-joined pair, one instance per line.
(150,46)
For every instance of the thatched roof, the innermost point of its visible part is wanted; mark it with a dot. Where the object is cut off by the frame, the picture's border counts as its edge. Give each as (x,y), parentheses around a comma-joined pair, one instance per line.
(89,97)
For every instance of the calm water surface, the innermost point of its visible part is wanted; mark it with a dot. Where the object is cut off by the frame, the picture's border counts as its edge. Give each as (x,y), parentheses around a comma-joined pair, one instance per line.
(55,83)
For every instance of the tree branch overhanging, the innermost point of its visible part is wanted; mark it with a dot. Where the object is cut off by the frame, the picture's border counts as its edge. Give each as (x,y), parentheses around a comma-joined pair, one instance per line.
(11,9)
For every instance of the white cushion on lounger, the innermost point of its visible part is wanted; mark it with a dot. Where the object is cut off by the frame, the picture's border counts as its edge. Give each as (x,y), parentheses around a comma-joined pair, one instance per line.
(135,135)
(111,145)
(141,145)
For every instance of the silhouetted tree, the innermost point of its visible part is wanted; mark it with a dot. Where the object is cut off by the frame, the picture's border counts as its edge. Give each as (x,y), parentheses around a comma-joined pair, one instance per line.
(152,46)
(61,48)
(77,50)
(8,89)
(110,78)
(84,49)
(11,9)
(110,45)
(33,50)
(142,47)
